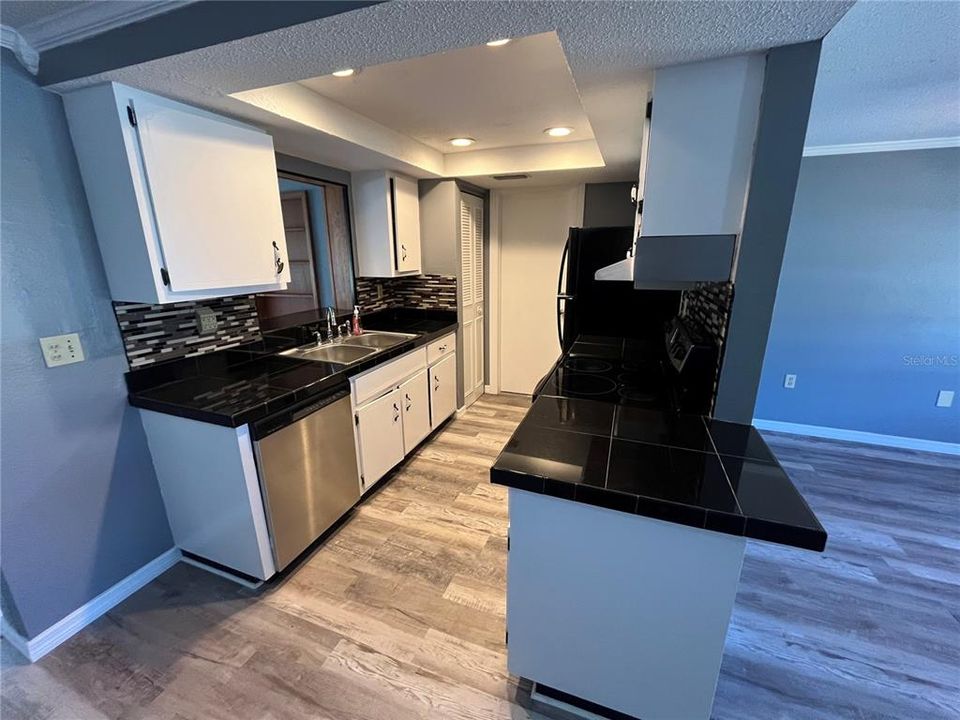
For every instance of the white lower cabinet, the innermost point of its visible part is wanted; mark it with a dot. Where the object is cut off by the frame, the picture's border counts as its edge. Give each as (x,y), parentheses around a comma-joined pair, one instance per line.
(398,403)
(443,389)
(416,410)
(379,425)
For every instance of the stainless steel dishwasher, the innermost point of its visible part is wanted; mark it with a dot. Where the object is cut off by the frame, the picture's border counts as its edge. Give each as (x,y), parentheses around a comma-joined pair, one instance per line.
(308,470)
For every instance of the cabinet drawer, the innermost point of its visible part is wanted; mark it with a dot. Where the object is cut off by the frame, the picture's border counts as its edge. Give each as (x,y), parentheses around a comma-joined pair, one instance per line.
(439,348)
(368,384)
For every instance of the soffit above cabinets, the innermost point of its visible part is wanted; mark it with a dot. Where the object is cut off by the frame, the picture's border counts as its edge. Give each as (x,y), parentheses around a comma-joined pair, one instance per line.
(502,97)
(612,49)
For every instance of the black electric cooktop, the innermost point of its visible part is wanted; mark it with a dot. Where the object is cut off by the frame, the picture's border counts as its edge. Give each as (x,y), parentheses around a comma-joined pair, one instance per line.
(615,370)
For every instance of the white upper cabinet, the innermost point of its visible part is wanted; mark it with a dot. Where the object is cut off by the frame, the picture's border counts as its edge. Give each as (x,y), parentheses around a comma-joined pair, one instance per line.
(701,136)
(185,203)
(387,219)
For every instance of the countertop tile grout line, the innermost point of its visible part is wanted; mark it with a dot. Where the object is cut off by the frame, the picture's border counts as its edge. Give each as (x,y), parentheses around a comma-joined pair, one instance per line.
(613,427)
(723,468)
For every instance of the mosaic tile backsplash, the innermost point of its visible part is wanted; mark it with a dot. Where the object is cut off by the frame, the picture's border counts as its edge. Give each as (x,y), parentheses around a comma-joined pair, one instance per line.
(157,333)
(426,292)
(708,305)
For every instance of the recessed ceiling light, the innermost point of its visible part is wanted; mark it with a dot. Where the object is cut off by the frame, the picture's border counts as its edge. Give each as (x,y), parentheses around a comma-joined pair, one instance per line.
(558,131)
(462,141)
(346,72)
(498,43)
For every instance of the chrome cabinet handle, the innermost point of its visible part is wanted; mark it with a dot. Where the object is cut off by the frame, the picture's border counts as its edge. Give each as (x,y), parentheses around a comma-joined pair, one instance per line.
(276,257)
(409,403)
(403,251)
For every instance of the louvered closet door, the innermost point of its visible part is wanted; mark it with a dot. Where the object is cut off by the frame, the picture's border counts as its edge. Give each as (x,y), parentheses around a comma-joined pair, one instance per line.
(471,297)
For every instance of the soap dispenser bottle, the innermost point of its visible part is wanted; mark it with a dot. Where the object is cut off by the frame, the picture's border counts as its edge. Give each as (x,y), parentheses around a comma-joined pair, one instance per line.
(357,330)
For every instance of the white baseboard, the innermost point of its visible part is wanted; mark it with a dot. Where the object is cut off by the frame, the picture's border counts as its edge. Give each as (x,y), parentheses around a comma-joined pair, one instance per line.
(868,438)
(76,621)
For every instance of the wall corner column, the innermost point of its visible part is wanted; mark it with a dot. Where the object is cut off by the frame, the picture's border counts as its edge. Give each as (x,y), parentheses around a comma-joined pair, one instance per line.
(784,111)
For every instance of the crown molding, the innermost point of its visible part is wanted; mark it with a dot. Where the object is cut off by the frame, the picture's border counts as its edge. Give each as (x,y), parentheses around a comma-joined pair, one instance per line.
(24,51)
(885,146)
(84,20)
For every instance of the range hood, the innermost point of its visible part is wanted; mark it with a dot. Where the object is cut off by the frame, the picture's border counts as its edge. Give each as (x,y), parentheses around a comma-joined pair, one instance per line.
(674,262)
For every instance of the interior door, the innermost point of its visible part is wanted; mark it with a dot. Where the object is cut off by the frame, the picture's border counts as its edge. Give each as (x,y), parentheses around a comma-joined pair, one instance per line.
(472,295)
(415,397)
(443,389)
(380,436)
(405,198)
(213,185)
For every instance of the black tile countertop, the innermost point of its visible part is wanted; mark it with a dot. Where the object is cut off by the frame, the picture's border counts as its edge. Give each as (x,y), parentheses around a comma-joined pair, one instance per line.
(685,469)
(237,386)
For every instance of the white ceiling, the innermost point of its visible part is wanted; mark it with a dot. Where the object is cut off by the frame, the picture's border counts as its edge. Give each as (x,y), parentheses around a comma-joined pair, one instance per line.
(500,96)
(889,71)
(610,48)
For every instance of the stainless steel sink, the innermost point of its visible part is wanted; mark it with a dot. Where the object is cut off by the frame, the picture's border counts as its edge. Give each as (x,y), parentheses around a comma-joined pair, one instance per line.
(377,339)
(338,353)
(349,350)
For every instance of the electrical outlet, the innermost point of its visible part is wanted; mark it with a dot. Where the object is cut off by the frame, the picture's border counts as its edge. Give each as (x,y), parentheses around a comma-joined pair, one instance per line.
(61,349)
(790,381)
(206,320)
(945,398)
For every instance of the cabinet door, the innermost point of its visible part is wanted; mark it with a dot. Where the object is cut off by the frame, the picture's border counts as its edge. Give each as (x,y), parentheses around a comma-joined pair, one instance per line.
(405,199)
(443,389)
(471,299)
(380,436)
(415,395)
(478,349)
(216,201)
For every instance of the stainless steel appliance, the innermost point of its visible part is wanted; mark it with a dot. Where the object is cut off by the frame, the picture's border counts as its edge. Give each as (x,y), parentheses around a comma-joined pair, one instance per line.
(308,471)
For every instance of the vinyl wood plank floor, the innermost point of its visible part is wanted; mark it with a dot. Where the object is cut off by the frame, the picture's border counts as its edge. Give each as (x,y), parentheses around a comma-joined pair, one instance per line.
(400,613)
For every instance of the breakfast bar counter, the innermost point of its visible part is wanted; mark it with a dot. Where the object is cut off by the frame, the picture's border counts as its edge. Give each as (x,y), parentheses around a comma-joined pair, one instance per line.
(628,527)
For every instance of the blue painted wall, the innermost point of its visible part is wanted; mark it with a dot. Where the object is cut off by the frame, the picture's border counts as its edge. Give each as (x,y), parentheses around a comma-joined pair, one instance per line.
(81,508)
(868,307)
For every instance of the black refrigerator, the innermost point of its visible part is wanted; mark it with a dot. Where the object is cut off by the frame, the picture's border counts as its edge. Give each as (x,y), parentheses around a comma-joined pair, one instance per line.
(586,306)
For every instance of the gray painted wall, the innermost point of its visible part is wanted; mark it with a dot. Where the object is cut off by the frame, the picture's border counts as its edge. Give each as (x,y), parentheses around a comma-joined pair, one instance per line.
(608,205)
(785,108)
(868,307)
(81,507)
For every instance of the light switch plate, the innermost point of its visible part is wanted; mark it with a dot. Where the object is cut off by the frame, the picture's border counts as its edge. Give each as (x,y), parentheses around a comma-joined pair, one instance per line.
(945,398)
(790,382)
(62,349)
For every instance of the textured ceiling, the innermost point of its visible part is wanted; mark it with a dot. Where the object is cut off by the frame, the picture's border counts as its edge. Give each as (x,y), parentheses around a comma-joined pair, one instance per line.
(889,71)
(610,48)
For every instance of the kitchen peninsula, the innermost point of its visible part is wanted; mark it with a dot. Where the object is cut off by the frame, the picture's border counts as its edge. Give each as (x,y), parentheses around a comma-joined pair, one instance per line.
(628,526)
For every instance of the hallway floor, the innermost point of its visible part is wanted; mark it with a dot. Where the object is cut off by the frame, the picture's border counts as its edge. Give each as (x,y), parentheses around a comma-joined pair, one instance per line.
(400,613)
